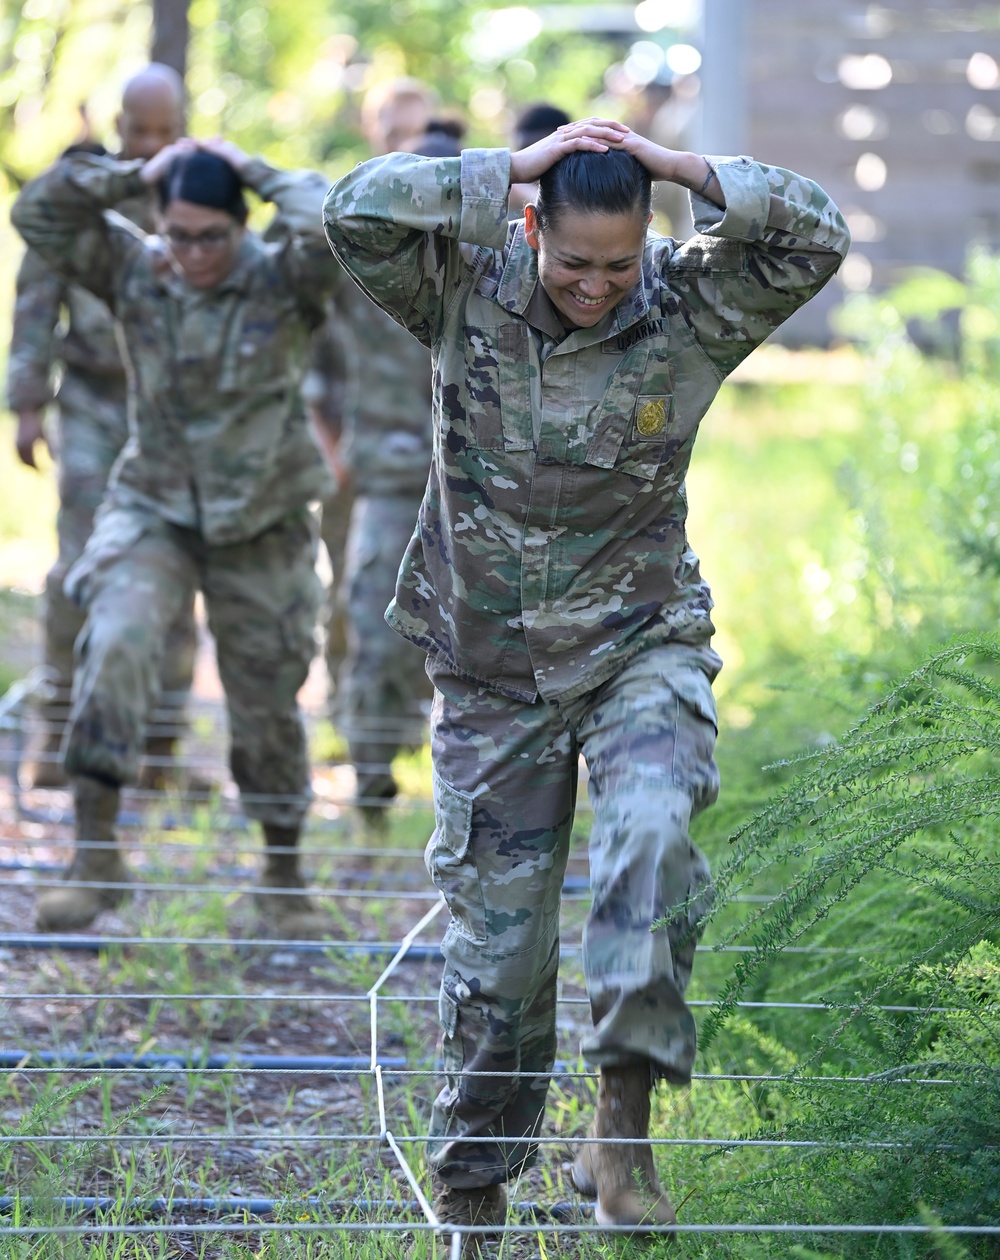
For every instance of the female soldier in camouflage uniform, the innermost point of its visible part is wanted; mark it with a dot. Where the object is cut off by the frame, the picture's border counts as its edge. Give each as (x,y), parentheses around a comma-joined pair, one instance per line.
(60,324)
(550,582)
(210,493)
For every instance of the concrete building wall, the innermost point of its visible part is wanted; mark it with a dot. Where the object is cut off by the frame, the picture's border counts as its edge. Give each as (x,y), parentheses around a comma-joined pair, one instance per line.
(893,107)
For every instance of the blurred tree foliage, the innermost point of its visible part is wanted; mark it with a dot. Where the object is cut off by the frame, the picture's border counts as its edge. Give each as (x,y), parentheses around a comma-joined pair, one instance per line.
(287,79)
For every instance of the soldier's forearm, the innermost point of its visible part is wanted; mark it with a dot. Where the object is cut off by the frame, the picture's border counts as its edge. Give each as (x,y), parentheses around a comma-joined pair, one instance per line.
(387,199)
(296,195)
(29,387)
(37,309)
(62,215)
(260,176)
(760,199)
(103,182)
(74,192)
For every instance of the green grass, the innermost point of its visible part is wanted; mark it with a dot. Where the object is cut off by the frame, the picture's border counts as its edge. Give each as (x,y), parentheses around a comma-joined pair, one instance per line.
(833,524)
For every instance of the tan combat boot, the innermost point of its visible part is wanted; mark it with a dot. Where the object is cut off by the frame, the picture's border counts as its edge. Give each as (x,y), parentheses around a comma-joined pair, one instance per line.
(375,795)
(481,1205)
(96,862)
(43,766)
(623,1177)
(288,917)
(163,771)
(158,771)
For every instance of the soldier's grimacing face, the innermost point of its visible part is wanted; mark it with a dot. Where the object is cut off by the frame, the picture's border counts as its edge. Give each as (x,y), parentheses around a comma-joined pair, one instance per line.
(587,261)
(204,242)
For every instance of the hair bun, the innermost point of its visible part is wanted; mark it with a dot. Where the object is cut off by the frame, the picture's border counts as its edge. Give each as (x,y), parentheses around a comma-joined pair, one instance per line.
(204,179)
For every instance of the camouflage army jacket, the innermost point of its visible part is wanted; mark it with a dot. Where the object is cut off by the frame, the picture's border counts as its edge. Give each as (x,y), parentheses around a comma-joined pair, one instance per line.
(60,323)
(369,381)
(551,543)
(388,430)
(219,439)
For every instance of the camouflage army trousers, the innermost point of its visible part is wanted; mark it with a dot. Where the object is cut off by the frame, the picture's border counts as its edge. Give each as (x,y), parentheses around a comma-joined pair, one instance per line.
(92,431)
(383,684)
(505,791)
(261,596)
(334,520)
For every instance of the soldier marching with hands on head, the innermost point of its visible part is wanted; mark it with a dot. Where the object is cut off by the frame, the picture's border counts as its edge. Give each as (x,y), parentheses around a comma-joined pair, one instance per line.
(551,584)
(211,493)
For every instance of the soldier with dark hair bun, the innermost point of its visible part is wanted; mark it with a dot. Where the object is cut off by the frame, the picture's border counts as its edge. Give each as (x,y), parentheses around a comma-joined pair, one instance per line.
(551,584)
(210,494)
(61,324)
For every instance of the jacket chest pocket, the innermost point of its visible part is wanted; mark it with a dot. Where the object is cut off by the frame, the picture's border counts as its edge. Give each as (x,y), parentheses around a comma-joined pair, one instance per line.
(498,387)
(259,352)
(635,417)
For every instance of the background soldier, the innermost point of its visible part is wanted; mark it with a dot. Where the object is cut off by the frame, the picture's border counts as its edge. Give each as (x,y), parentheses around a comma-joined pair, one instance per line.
(386,452)
(93,427)
(212,493)
(327,390)
(395,113)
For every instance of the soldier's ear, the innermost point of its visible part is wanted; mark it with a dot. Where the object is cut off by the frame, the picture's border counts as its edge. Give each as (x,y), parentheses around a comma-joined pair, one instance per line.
(531,226)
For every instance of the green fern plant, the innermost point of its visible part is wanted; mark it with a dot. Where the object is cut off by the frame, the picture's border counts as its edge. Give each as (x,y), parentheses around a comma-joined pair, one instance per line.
(898,818)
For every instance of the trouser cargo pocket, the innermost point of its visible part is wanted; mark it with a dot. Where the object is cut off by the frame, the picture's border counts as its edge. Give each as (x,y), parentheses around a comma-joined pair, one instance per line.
(452,865)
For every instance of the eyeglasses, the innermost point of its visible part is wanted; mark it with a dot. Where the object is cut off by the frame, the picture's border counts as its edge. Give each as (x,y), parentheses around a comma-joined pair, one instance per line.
(209,242)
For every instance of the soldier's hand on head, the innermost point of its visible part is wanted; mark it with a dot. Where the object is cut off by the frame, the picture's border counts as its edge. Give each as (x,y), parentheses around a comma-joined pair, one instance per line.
(590,135)
(229,152)
(689,170)
(29,432)
(598,135)
(157,166)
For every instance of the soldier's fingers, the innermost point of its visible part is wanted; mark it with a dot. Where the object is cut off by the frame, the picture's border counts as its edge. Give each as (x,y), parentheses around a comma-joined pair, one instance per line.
(578,144)
(26,454)
(605,135)
(186,144)
(609,124)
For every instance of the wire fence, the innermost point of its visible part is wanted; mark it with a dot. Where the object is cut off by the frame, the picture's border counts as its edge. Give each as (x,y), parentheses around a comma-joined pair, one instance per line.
(372,1070)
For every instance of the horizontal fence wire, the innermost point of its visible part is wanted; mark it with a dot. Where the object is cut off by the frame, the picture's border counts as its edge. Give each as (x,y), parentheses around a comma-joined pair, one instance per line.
(174,1065)
(543,1228)
(98,944)
(123,995)
(418,1139)
(559,1220)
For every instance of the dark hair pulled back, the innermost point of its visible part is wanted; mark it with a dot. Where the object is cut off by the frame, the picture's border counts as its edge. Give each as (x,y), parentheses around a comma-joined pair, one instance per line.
(205,179)
(593,183)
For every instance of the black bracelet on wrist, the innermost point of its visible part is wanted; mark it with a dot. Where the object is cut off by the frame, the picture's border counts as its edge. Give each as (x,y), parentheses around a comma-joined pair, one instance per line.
(709,177)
